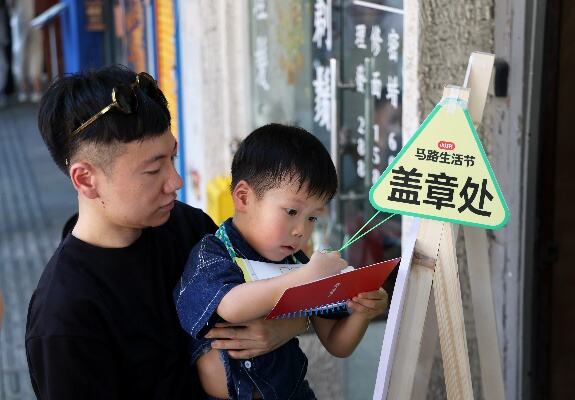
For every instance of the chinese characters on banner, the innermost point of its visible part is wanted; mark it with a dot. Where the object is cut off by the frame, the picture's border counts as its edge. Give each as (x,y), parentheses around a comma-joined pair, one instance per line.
(443,173)
(322,98)
(322,34)
(381,41)
(261,51)
(322,43)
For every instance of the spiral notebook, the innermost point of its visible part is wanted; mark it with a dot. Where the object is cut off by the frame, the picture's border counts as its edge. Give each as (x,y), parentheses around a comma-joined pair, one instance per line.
(332,293)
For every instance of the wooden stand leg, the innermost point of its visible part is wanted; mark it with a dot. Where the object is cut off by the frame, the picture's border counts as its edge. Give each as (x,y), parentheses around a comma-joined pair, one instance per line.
(484,313)
(449,310)
(410,333)
(400,348)
(400,370)
(427,353)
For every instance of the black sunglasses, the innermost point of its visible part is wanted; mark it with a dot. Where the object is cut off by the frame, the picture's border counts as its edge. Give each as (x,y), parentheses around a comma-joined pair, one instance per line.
(124,98)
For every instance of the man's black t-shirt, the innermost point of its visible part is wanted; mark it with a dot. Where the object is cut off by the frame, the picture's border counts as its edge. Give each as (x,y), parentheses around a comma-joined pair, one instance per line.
(102,323)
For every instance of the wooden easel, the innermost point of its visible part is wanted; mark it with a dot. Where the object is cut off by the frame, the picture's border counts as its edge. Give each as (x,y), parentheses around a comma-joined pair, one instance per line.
(429,260)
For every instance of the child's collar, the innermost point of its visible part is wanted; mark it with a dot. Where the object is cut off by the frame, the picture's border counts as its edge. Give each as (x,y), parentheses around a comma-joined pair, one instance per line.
(244,250)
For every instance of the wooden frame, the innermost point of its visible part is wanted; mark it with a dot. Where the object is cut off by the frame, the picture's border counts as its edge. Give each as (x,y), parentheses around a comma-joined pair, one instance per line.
(429,261)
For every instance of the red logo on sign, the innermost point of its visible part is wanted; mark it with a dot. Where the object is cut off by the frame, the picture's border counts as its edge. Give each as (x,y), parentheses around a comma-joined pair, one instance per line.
(446,145)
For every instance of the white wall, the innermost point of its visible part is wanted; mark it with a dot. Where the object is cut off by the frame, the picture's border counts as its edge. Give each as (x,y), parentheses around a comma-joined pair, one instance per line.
(215,71)
(439,36)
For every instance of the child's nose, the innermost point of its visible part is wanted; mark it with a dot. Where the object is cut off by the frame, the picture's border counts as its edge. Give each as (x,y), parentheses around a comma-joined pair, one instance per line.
(298,230)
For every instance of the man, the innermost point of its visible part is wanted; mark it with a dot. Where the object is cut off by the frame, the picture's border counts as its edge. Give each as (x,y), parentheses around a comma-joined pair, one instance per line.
(101,323)
(27,51)
(4,52)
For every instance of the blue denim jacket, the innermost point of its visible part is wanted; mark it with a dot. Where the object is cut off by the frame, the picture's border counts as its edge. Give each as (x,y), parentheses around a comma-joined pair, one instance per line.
(209,275)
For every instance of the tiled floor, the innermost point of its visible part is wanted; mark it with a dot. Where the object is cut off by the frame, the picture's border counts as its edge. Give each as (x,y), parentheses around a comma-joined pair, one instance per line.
(361,367)
(35,200)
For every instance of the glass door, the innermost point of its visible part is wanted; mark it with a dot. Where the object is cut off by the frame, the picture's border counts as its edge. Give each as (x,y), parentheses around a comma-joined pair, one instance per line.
(365,136)
(370,119)
(334,67)
(357,83)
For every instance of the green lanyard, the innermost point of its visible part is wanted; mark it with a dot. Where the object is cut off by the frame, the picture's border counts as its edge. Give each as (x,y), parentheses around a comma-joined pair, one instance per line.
(223,236)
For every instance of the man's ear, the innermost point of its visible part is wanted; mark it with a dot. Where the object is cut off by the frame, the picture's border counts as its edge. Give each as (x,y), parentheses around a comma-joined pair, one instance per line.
(83,176)
(242,195)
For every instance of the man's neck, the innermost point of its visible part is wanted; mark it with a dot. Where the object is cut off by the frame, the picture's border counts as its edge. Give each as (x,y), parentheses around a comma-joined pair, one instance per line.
(92,228)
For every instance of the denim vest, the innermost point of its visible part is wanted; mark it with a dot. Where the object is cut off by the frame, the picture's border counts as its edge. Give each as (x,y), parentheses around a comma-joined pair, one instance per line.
(209,275)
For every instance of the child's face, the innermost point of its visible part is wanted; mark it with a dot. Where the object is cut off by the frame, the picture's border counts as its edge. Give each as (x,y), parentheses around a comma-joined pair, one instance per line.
(282,220)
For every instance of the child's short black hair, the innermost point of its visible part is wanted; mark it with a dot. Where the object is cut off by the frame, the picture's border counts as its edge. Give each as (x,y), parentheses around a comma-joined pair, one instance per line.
(73,99)
(274,153)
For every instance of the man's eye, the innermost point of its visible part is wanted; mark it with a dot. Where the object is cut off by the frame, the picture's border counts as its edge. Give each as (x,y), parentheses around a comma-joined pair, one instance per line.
(312,219)
(154,172)
(291,211)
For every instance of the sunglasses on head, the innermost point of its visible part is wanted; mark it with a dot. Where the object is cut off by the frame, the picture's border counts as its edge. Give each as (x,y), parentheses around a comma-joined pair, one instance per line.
(124,99)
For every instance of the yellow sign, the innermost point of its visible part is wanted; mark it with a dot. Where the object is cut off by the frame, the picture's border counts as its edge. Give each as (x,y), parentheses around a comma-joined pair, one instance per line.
(443,173)
(220,203)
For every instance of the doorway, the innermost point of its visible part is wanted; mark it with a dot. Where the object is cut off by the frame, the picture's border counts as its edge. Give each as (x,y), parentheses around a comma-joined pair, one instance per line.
(554,322)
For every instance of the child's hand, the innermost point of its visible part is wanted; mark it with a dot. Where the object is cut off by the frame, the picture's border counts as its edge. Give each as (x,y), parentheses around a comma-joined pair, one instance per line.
(369,304)
(321,264)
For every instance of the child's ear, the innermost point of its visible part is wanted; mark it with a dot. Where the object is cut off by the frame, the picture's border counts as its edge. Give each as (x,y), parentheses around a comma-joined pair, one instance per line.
(83,178)
(242,195)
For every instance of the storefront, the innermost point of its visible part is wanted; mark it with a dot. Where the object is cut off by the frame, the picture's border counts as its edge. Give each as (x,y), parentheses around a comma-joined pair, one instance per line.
(360,75)
(335,68)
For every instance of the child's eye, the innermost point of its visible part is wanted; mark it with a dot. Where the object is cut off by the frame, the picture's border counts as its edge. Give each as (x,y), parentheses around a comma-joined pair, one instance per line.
(152,172)
(291,211)
(312,219)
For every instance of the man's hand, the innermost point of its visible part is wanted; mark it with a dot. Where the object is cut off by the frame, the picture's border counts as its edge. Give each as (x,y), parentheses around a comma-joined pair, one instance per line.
(369,304)
(254,338)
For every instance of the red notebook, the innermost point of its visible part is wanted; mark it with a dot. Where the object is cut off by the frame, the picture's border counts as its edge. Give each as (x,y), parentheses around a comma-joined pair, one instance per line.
(331,294)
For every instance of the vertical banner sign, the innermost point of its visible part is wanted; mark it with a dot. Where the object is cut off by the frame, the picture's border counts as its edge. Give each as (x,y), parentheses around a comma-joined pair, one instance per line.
(443,173)
(94,12)
(167,78)
(135,25)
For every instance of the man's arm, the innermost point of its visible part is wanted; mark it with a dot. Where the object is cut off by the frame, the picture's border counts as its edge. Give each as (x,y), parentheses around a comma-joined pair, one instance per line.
(341,337)
(70,367)
(256,337)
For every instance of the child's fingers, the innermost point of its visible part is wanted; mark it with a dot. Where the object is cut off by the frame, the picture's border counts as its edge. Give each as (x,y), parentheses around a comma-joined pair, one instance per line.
(357,307)
(370,304)
(379,294)
(377,304)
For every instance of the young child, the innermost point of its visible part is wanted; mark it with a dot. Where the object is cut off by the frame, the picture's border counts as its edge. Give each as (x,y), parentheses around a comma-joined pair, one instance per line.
(282,179)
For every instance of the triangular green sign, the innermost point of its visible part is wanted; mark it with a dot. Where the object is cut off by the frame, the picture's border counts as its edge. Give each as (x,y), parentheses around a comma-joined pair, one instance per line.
(442,173)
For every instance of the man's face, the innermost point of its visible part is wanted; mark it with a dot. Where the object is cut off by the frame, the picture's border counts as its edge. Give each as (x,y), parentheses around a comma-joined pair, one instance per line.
(282,220)
(139,189)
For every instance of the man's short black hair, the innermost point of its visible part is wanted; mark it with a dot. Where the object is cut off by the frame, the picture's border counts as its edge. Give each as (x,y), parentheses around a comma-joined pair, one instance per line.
(73,99)
(275,153)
